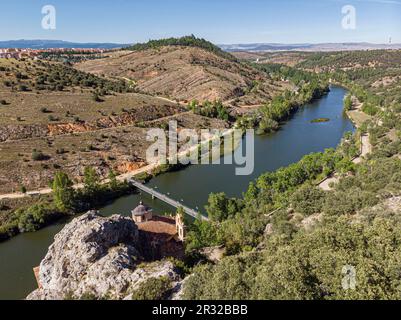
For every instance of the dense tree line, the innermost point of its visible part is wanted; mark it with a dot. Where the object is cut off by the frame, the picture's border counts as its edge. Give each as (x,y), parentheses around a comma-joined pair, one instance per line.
(311,265)
(70,57)
(309,87)
(281,107)
(186,41)
(349,59)
(295,75)
(58,76)
(209,109)
(240,225)
(41,75)
(66,201)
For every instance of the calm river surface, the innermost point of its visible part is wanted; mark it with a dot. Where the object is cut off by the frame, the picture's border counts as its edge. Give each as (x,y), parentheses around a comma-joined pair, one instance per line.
(193,185)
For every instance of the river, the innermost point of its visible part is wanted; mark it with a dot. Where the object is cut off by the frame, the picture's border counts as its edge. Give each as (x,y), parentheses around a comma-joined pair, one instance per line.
(296,138)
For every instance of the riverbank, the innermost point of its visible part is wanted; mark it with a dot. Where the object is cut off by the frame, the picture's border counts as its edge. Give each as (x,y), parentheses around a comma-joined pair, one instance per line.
(150,171)
(41,213)
(45,212)
(193,185)
(358,117)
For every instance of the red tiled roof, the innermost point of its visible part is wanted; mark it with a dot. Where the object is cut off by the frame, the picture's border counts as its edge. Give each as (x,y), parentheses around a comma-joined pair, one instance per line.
(159,225)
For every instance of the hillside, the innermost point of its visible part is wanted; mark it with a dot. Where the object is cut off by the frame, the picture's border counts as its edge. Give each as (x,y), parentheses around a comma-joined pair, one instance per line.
(54,117)
(186,41)
(185,73)
(288,238)
(373,76)
(288,58)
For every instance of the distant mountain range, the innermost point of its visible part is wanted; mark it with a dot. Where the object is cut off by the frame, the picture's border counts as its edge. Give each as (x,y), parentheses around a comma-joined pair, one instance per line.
(252,47)
(47,44)
(260,47)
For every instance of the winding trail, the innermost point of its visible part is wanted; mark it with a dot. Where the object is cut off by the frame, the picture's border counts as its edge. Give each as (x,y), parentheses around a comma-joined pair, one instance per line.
(358,117)
(366,148)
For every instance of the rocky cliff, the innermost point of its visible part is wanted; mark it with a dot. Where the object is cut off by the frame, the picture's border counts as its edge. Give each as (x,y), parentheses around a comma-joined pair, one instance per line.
(99,258)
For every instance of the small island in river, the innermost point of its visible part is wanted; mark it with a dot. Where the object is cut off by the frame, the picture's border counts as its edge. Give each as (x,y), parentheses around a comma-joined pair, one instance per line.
(319,120)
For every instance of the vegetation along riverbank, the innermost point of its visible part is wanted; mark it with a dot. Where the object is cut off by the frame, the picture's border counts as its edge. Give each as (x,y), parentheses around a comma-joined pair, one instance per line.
(299,251)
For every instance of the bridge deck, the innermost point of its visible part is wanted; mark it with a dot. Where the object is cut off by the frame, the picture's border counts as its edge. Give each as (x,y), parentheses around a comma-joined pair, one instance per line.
(167,200)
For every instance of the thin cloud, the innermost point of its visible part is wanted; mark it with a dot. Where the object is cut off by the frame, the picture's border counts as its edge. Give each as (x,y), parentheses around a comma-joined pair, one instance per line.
(382,1)
(396,2)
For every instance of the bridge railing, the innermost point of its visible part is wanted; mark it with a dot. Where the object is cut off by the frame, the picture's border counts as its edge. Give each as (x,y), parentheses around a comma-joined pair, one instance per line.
(167,200)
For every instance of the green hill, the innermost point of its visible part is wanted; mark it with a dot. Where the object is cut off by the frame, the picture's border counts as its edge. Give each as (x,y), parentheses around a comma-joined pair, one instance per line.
(186,41)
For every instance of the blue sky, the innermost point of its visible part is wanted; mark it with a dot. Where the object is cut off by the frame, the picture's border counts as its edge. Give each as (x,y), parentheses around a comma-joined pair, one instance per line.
(220,21)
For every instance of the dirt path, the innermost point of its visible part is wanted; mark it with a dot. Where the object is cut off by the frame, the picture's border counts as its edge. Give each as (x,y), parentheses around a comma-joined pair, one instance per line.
(366,148)
(325,185)
(79,185)
(358,117)
(183,104)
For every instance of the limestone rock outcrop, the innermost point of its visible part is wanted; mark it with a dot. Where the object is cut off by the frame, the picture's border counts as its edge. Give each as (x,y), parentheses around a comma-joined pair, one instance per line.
(96,257)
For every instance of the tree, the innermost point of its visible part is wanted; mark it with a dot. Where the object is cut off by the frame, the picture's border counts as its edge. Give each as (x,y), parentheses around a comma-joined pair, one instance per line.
(63,193)
(96,98)
(113,180)
(308,200)
(38,156)
(180,212)
(309,266)
(91,180)
(23,189)
(33,218)
(202,234)
(220,207)
(348,103)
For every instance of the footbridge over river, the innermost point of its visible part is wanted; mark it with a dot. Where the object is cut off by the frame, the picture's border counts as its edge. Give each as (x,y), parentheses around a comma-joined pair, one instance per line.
(168,200)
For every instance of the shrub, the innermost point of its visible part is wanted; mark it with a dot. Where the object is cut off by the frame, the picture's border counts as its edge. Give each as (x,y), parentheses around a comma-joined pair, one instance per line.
(38,156)
(308,200)
(33,218)
(52,118)
(153,289)
(23,88)
(96,98)
(44,110)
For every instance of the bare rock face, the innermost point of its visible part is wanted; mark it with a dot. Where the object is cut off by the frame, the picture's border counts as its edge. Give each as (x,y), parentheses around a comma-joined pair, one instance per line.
(95,257)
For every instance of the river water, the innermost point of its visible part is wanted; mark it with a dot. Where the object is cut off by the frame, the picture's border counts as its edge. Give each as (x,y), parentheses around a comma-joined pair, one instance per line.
(192,186)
